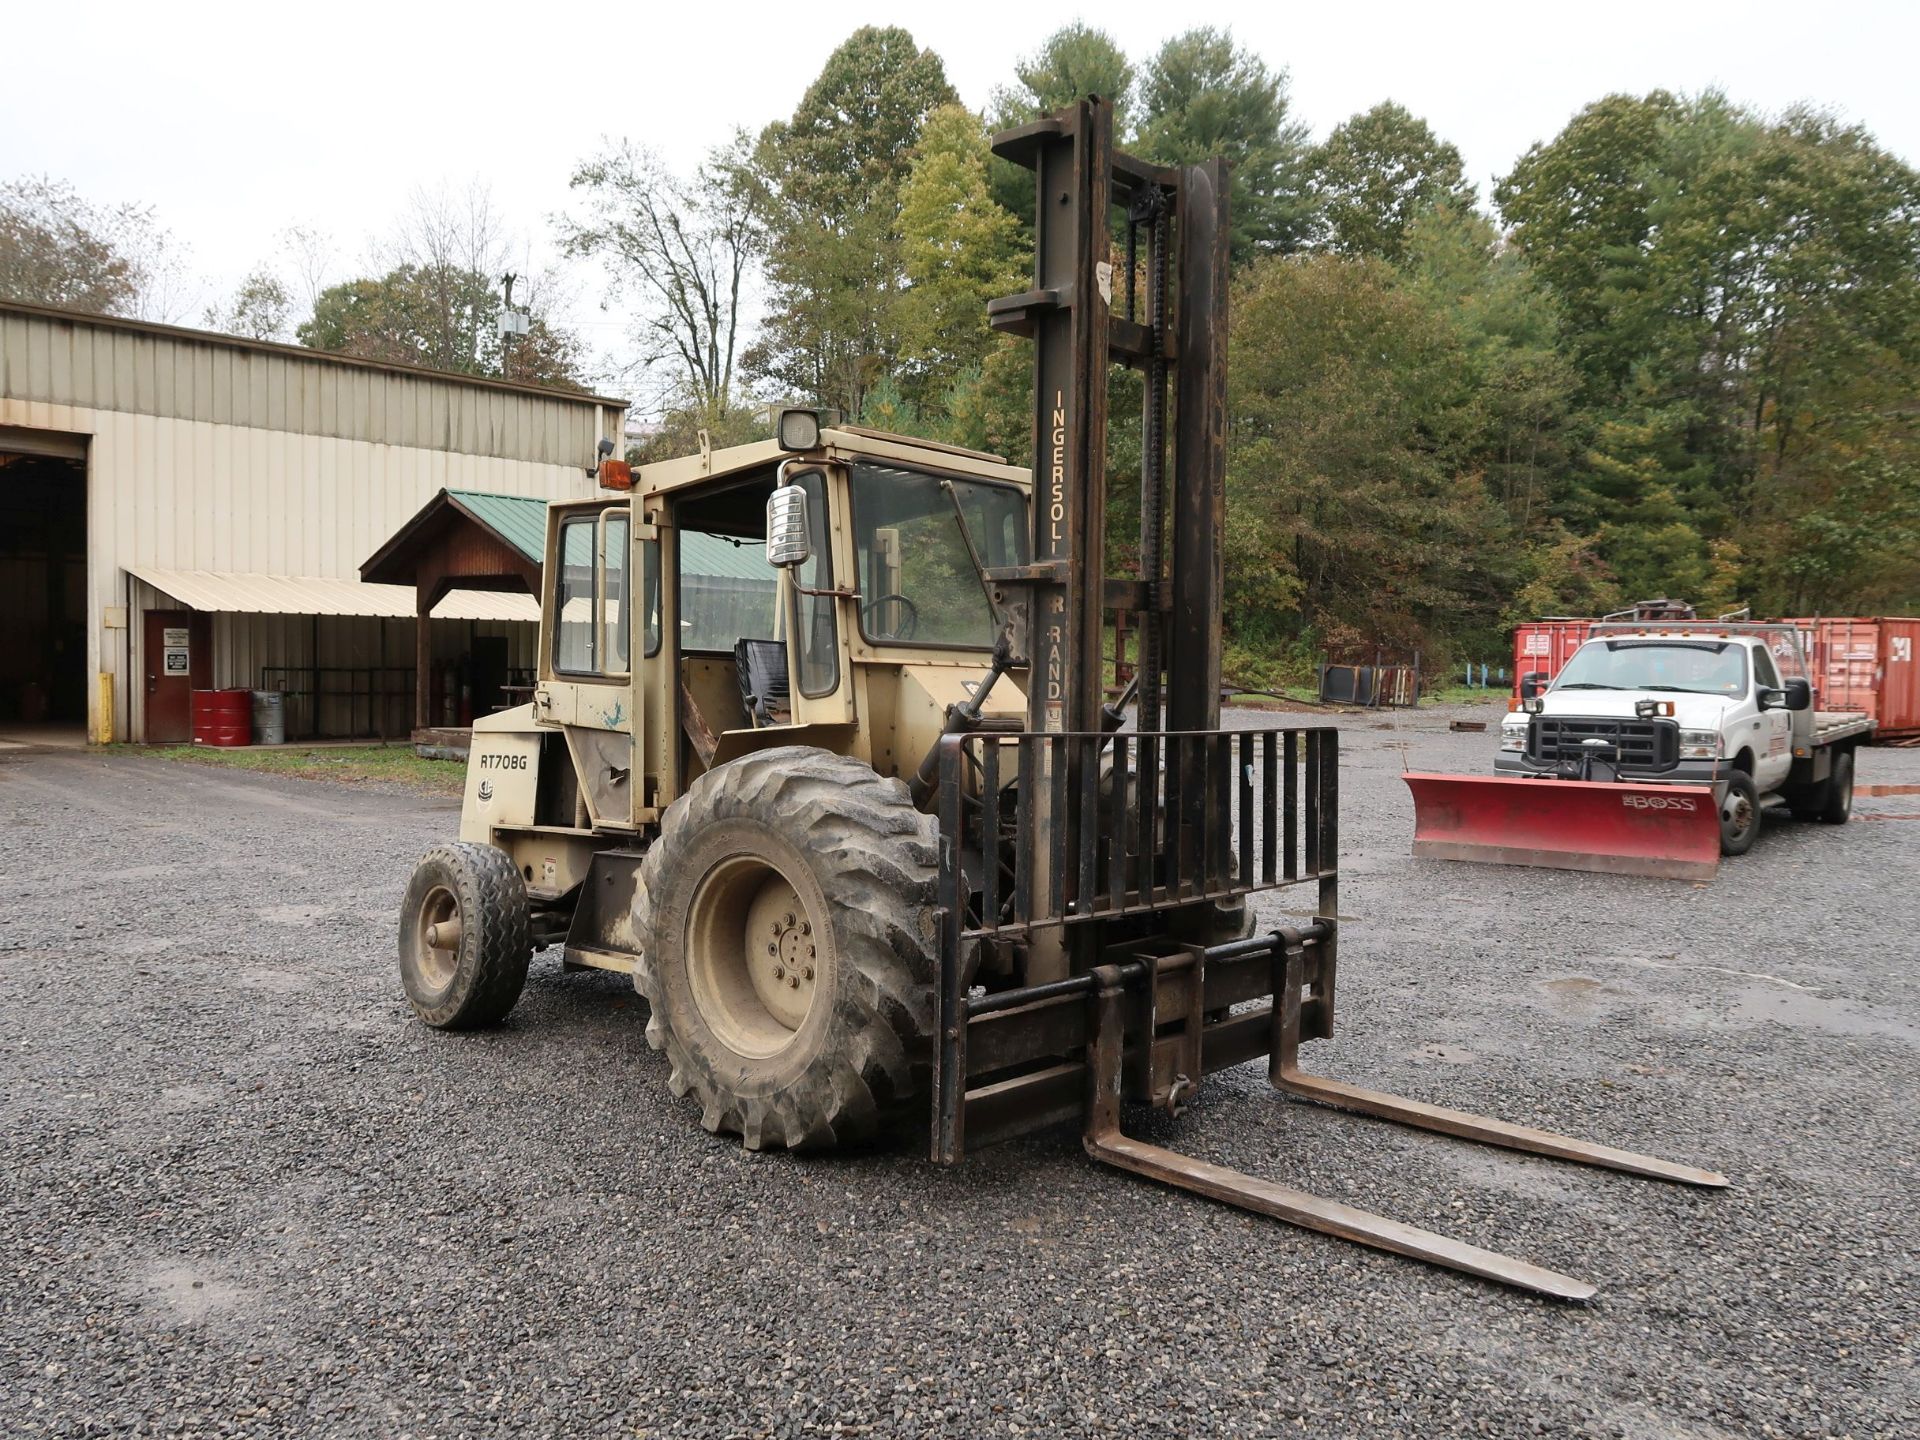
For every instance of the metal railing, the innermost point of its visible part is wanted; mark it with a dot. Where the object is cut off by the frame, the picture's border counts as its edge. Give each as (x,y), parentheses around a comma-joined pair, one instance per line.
(1043,829)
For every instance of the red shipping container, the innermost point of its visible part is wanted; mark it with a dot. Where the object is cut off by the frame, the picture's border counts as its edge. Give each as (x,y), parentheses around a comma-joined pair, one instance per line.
(223,717)
(1867,664)
(1541,647)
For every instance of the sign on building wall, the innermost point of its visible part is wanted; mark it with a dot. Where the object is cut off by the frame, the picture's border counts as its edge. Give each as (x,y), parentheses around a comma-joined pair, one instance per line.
(173,650)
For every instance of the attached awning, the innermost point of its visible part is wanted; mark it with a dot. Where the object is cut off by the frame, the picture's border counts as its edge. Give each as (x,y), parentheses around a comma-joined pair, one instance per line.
(232,593)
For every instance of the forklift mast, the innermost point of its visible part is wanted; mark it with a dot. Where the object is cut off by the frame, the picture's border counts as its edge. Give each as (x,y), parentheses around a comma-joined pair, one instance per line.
(1085,313)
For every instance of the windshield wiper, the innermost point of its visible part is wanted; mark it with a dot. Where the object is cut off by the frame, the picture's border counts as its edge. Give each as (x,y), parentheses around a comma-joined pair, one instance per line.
(1586,685)
(973,551)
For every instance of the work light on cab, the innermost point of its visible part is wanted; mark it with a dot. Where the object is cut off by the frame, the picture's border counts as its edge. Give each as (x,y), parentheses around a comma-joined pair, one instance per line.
(799,429)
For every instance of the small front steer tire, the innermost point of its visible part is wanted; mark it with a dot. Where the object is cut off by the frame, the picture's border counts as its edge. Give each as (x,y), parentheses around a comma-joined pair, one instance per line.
(788,956)
(1838,802)
(465,938)
(1739,814)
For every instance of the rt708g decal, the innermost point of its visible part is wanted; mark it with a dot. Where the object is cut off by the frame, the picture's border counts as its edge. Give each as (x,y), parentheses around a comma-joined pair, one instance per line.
(1658,802)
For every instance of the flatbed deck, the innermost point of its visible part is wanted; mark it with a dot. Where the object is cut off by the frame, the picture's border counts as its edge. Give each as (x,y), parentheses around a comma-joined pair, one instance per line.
(1830,726)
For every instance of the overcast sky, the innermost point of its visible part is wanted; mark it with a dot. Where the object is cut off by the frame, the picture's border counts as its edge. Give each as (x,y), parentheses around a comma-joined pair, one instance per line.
(235,121)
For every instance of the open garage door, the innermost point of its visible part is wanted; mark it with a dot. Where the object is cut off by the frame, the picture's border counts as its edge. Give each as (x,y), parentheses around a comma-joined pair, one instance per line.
(43,594)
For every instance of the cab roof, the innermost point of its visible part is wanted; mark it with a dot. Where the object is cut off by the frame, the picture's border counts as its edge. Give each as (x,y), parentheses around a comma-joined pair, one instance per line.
(841,443)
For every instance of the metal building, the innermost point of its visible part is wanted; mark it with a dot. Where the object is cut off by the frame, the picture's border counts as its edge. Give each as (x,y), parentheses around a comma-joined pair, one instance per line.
(182,510)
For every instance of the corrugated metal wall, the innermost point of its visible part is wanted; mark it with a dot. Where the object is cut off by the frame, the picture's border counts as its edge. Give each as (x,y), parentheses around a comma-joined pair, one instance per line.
(285,651)
(99,364)
(209,454)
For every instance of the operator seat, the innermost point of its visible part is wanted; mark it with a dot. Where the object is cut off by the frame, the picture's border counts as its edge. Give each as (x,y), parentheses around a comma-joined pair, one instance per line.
(762,667)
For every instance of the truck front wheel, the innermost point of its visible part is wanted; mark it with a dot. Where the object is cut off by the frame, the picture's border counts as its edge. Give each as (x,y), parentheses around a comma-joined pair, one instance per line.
(1739,814)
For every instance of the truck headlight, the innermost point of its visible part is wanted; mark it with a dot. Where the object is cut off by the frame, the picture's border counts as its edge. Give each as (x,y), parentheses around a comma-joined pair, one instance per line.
(1513,737)
(1699,744)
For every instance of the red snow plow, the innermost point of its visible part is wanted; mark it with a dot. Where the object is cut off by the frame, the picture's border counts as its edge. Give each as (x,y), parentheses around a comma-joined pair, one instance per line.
(1616,827)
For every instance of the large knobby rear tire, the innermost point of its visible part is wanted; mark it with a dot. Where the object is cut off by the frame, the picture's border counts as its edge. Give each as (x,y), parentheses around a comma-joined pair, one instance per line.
(1739,814)
(465,936)
(785,918)
(1837,805)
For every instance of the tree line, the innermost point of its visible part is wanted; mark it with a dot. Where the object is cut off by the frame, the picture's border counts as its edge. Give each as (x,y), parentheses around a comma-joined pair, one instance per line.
(1678,353)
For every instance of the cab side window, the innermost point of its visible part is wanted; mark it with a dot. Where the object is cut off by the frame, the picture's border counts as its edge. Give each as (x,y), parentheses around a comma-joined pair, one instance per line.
(1764,675)
(819,666)
(593,595)
(574,650)
(616,592)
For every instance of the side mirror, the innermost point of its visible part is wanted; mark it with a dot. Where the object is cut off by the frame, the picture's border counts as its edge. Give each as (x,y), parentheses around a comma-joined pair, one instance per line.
(1794,695)
(1532,683)
(787,532)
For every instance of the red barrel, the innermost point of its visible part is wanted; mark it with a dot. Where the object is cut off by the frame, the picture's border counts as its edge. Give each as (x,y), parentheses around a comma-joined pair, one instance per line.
(223,717)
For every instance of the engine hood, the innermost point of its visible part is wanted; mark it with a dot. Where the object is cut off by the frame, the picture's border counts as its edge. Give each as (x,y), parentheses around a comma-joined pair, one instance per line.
(1694,712)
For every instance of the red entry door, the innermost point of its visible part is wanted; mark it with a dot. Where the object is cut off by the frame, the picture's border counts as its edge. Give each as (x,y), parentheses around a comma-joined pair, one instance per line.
(176,659)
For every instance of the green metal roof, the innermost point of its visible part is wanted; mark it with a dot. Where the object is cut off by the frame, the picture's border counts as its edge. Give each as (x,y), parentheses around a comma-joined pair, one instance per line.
(703,554)
(520,520)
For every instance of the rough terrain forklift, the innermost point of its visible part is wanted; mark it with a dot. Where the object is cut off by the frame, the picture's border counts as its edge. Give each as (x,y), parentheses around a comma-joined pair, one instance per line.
(821,754)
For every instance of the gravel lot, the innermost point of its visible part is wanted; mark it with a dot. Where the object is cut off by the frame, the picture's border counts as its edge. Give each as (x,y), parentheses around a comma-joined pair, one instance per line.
(246,1193)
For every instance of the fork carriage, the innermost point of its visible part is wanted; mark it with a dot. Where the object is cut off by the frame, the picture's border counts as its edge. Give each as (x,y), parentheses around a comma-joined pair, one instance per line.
(1152,834)
(1158,828)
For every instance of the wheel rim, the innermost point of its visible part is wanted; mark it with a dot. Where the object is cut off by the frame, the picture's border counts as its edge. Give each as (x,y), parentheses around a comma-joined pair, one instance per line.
(753,960)
(1738,815)
(436,937)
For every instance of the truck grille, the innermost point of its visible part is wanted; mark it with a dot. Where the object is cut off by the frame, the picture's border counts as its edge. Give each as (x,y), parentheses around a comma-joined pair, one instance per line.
(1644,745)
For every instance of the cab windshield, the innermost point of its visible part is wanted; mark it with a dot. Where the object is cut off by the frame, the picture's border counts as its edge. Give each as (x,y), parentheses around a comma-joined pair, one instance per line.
(917,585)
(1695,667)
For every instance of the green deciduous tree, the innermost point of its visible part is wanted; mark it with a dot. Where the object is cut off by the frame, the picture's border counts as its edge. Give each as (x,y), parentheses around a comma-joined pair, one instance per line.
(260,308)
(1202,96)
(1514,419)
(959,249)
(1378,173)
(443,319)
(1740,291)
(832,176)
(1341,498)
(438,298)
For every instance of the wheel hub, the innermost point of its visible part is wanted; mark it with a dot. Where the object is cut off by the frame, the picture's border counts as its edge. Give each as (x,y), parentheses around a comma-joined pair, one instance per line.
(1739,814)
(753,957)
(781,959)
(437,933)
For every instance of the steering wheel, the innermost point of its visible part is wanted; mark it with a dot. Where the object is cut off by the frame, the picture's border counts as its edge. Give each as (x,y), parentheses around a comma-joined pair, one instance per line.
(906,629)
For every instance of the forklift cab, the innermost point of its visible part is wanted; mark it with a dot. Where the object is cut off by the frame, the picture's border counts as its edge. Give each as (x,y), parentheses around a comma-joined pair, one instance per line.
(874,613)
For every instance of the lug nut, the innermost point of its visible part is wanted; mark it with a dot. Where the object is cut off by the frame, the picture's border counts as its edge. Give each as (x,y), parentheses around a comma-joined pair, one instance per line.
(793,982)
(779,972)
(806,972)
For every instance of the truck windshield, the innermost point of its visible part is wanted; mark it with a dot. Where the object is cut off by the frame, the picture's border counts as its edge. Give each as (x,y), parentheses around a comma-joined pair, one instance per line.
(1695,667)
(917,585)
